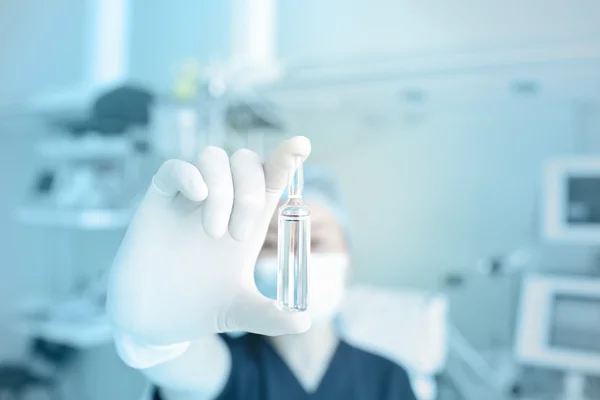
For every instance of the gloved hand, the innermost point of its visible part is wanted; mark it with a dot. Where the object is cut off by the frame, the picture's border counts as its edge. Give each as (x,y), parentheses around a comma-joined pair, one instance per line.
(185,268)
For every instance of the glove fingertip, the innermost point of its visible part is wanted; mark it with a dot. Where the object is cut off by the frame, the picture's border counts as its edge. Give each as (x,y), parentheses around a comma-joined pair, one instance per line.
(301,146)
(297,322)
(191,184)
(197,191)
(288,322)
(257,314)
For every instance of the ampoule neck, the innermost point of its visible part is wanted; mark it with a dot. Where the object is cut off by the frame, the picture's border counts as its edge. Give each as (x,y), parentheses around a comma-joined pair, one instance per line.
(294,208)
(296,181)
(294,201)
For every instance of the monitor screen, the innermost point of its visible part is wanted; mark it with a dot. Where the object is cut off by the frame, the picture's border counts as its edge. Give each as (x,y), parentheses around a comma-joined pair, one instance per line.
(575,323)
(583,200)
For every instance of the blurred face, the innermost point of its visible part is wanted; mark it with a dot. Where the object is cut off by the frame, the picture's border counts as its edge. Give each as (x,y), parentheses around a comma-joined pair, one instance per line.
(329,263)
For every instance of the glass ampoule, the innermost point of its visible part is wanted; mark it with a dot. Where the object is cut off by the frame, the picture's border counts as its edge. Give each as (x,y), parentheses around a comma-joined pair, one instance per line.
(293,246)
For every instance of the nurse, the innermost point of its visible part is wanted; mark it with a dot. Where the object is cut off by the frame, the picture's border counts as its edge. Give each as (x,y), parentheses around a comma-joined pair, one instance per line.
(192,287)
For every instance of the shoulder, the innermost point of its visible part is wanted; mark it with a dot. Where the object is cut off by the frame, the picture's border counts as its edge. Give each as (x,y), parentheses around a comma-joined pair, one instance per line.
(371,359)
(244,375)
(244,343)
(244,350)
(381,370)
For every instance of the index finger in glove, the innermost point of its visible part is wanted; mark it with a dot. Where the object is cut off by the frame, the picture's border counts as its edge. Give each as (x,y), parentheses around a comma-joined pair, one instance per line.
(278,168)
(176,176)
(280,164)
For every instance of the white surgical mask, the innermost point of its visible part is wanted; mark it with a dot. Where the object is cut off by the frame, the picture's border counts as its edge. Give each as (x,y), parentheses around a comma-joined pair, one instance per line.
(328,272)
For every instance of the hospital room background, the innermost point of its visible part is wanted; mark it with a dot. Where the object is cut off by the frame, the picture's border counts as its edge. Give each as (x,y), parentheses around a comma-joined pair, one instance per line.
(459,132)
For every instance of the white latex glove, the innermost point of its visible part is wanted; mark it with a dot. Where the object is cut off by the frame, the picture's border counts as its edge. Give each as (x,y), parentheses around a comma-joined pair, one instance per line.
(185,268)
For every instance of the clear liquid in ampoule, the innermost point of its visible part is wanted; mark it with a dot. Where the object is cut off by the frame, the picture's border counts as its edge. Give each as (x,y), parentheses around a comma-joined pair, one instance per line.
(293,251)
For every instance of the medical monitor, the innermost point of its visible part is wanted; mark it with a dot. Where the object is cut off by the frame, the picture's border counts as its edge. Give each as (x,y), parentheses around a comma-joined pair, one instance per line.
(571,201)
(559,323)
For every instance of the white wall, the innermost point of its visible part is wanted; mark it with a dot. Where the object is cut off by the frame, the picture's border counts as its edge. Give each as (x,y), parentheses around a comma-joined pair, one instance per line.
(316,29)
(459,186)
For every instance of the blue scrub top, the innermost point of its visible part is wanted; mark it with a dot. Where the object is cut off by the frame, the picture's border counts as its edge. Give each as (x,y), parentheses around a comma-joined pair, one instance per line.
(258,373)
